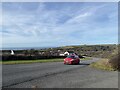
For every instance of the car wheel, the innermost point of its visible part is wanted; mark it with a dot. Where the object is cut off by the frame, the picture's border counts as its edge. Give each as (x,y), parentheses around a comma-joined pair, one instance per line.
(78,63)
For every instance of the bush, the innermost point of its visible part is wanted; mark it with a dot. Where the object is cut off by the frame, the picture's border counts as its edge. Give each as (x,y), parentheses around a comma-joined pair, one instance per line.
(114,62)
(13,57)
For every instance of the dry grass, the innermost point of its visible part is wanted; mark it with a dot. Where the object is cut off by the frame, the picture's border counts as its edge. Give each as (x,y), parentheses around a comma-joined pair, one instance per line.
(112,63)
(103,64)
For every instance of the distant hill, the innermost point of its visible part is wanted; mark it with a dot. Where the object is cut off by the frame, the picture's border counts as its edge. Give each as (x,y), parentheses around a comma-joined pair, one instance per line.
(91,50)
(102,51)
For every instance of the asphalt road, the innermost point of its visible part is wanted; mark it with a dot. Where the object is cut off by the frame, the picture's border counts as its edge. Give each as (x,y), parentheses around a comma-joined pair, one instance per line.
(57,75)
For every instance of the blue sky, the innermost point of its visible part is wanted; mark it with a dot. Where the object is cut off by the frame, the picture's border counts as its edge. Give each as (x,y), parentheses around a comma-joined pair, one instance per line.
(58,24)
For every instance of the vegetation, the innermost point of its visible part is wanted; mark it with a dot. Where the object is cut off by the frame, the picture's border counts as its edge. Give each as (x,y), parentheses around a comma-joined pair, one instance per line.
(112,62)
(31,61)
(103,64)
(101,51)
(86,58)
(36,61)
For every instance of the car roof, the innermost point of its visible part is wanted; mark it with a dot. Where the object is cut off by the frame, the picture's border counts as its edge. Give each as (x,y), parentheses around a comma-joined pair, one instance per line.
(71,56)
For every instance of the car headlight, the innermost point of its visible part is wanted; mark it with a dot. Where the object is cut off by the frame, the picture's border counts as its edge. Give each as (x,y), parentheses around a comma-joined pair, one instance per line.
(72,60)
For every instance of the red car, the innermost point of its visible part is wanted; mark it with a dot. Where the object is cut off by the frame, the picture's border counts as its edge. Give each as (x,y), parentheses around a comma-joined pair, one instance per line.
(72,60)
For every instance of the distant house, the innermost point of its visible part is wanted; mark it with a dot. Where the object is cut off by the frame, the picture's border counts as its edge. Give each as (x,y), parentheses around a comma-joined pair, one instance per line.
(61,54)
(12,52)
(67,53)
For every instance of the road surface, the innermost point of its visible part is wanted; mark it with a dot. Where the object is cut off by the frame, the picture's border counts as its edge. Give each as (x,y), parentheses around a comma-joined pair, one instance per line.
(57,75)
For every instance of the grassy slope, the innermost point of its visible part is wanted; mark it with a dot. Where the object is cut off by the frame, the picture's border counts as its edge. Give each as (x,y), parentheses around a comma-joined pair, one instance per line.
(103,64)
(111,63)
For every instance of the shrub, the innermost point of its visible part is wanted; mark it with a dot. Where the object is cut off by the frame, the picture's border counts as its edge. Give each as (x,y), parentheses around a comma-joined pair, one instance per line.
(114,62)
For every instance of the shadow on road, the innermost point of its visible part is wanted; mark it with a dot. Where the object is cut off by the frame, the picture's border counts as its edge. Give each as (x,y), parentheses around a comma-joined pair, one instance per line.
(82,64)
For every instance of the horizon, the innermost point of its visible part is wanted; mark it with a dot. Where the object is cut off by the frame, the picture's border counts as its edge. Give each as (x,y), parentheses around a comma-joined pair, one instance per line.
(45,24)
(23,48)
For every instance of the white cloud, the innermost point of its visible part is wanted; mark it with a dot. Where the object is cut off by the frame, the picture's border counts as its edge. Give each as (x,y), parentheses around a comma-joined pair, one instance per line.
(43,26)
(79,18)
(0,14)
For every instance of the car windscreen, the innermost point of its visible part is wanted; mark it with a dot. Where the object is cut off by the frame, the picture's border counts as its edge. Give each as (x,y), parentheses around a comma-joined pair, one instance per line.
(71,57)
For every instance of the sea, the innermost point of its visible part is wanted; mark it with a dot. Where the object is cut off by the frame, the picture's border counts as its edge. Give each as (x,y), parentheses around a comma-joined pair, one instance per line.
(24,48)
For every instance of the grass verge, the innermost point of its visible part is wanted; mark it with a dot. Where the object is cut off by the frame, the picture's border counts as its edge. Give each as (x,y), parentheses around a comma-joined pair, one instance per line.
(103,64)
(31,61)
(86,58)
(36,61)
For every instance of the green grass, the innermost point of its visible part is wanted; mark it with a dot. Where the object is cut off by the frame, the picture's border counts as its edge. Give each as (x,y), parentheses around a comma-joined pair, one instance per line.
(86,58)
(36,61)
(31,61)
(103,64)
